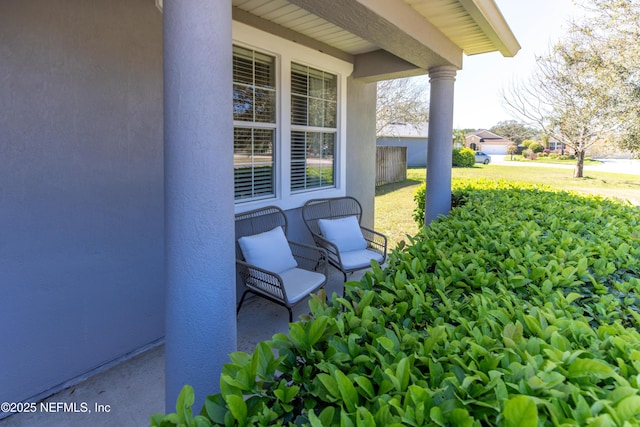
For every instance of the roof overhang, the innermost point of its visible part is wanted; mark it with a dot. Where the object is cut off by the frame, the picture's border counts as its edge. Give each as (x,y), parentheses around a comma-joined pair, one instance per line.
(385,38)
(492,25)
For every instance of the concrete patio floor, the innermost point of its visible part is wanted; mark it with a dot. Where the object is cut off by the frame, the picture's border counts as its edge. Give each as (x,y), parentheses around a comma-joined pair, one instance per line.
(130,392)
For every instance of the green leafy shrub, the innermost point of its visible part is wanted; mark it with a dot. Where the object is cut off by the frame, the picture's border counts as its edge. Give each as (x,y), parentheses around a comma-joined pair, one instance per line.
(519,309)
(419,198)
(463,157)
(536,147)
(458,198)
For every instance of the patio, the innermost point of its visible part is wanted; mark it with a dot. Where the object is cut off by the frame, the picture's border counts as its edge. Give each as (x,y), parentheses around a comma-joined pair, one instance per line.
(118,166)
(128,393)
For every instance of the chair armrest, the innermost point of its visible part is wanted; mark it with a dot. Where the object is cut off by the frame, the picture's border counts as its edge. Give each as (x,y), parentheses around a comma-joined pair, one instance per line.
(260,280)
(331,248)
(375,240)
(309,257)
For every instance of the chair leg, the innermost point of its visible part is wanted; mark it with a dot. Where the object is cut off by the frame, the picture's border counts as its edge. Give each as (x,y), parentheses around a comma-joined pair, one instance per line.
(244,294)
(344,274)
(290,315)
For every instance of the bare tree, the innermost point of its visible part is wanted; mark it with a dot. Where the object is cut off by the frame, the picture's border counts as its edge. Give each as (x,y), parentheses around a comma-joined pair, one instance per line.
(403,101)
(611,34)
(566,99)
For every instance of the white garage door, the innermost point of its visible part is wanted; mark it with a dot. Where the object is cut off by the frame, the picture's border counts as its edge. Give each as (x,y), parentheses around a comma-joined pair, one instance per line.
(494,149)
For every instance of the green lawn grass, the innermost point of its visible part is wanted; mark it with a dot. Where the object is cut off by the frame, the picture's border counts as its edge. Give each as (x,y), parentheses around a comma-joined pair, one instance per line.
(540,159)
(394,202)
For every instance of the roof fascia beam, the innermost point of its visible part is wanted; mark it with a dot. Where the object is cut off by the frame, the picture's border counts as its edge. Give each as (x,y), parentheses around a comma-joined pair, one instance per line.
(393,26)
(382,65)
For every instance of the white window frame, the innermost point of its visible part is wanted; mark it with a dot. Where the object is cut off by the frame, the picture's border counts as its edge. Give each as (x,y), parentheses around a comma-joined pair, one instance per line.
(264,125)
(306,128)
(286,53)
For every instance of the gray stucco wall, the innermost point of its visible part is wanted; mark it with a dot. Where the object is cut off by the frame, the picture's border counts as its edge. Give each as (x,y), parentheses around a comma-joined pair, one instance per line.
(361,145)
(81,188)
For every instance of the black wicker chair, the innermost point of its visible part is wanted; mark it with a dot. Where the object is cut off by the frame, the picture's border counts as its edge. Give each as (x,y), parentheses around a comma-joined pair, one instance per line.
(288,287)
(375,248)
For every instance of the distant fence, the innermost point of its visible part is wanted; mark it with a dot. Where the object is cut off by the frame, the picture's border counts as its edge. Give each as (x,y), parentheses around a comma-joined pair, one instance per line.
(391,164)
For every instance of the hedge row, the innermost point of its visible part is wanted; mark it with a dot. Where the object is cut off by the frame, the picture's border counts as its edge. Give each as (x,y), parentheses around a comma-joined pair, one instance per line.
(519,309)
(463,157)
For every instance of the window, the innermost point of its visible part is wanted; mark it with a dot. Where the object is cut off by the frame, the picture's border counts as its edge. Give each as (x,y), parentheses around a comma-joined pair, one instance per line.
(313,128)
(254,115)
(288,121)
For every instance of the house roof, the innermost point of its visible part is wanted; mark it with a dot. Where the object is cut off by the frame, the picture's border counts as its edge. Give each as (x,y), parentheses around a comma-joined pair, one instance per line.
(489,137)
(414,34)
(404,130)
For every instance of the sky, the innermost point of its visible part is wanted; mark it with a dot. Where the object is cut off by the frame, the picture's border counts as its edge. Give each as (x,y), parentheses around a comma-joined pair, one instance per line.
(536,25)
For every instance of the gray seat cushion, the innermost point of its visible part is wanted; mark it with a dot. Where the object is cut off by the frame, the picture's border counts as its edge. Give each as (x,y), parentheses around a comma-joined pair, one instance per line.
(298,283)
(359,258)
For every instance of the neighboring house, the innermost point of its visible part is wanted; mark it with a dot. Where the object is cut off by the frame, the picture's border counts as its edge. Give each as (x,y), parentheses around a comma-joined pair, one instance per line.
(600,150)
(406,135)
(556,146)
(488,142)
(129,137)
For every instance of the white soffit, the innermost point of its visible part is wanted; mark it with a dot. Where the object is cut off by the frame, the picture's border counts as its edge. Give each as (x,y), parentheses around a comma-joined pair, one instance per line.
(297,19)
(475,26)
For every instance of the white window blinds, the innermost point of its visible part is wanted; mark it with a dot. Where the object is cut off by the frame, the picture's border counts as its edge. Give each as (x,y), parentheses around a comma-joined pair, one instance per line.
(313,128)
(254,114)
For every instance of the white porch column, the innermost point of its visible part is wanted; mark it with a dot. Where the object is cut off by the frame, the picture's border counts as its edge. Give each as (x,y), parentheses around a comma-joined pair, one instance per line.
(438,196)
(199,231)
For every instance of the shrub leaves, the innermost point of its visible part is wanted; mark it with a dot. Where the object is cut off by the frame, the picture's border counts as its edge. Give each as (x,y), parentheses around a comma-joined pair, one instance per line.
(521,308)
